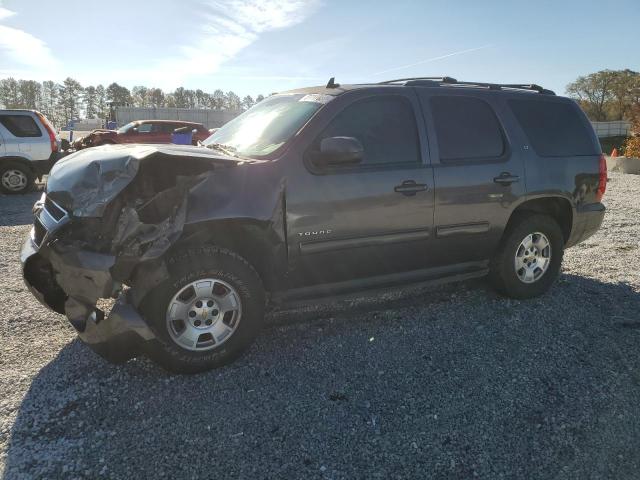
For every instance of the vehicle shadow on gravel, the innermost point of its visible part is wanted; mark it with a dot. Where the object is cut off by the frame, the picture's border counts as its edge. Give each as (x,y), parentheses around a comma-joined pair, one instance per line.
(452,382)
(16,209)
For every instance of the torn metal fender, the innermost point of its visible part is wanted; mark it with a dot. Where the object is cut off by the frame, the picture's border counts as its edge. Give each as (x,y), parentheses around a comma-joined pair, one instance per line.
(141,235)
(243,209)
(120,336)
(84,277)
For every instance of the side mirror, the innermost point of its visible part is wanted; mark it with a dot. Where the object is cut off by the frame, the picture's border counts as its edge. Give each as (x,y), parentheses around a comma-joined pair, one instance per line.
(339,151)
(134,129)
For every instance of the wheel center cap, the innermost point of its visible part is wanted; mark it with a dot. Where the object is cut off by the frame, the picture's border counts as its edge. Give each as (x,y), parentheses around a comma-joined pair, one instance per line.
(203,313)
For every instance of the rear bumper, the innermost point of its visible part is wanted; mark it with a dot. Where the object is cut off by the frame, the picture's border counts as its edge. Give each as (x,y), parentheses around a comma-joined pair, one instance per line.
(587,221)
(69,282)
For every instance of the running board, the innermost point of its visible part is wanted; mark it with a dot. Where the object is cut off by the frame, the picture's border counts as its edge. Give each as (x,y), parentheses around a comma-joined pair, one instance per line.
(424,277)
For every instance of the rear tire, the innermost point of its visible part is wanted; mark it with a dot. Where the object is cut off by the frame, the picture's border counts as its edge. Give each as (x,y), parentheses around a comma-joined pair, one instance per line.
(523,267)
(16,178)
(220,337)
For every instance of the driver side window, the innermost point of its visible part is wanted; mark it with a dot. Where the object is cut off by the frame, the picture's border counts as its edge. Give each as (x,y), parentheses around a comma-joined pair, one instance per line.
(384,125)
(145,127)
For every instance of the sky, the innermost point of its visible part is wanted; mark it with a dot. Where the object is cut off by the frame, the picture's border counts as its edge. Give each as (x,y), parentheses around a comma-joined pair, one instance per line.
(263,46)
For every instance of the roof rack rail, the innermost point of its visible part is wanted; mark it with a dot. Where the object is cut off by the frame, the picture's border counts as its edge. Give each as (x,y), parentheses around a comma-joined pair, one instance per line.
(434,79)
(448,81)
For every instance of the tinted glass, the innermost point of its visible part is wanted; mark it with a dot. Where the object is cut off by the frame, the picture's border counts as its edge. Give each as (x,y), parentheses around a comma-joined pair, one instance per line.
(467,129)
(20,125)
(554,129)
(385,126)
(145,127)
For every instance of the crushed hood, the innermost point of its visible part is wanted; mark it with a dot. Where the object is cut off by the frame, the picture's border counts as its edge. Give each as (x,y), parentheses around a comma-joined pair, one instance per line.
(85,182)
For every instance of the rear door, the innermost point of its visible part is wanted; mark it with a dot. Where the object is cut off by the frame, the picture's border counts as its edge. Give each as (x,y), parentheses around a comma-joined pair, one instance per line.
(374,218)
(478,176)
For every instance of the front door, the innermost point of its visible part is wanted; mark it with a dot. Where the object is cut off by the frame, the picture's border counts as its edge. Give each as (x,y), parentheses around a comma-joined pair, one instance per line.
(374,218)
(478,176)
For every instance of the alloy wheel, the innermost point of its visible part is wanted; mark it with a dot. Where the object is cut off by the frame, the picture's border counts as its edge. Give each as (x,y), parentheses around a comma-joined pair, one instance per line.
(532,257)
(203,314)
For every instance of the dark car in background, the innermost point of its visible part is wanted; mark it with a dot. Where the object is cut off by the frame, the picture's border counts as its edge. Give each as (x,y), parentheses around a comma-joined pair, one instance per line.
(313,192)
(141,131)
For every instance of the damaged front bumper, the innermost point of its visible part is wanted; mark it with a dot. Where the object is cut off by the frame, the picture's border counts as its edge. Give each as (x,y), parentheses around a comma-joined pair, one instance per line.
(70,281)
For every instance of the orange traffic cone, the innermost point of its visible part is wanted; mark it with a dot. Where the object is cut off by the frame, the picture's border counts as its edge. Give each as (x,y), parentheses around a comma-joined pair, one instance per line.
(614,152)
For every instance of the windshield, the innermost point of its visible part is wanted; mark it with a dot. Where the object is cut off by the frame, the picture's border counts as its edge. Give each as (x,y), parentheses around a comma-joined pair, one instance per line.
(127,127)
(265,127)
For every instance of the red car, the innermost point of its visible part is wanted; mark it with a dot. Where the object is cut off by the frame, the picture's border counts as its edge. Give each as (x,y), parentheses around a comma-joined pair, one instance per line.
(141,131)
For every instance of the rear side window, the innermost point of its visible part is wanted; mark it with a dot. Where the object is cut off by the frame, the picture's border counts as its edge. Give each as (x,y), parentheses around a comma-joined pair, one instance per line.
(20,125)
(386,127)
(554,129)
(467,129)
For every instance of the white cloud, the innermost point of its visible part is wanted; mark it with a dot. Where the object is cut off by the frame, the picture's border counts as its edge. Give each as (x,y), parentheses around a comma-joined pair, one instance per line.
(5,13)
(222,29)
(229,26)
(22,47)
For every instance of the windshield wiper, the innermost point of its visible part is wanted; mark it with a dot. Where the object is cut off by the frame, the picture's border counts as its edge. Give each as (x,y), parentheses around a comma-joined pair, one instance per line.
(226,149)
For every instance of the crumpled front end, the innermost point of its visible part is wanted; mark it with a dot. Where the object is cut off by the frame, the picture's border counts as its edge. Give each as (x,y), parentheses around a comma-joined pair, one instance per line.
(106,219)
(74,291)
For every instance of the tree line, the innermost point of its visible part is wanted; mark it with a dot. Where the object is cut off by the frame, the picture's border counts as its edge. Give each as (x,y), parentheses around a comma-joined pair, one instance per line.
(608,94)
(604,95)
(62,102)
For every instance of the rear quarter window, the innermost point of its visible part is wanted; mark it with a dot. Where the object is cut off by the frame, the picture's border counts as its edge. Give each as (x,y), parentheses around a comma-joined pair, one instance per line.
(554,129)
(20,125)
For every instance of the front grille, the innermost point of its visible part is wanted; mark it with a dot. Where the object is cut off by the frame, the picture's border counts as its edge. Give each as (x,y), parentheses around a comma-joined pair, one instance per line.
(54,210)
(39,232)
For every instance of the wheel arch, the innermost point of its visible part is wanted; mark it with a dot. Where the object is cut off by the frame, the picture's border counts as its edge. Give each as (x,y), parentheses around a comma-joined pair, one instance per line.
(557,207)
(25,161)
(260,243)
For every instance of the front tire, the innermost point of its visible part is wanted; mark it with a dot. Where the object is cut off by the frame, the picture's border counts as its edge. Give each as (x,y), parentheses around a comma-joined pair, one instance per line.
(529,258)
(206,313)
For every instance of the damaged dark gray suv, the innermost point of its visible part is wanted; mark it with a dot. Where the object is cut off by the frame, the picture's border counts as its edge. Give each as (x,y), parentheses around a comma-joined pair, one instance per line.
(312,192)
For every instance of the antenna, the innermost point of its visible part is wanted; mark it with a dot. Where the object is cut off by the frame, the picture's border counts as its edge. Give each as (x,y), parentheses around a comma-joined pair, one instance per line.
(332,83)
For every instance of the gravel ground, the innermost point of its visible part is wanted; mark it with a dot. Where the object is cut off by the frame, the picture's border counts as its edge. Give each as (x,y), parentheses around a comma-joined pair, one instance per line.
(453,382)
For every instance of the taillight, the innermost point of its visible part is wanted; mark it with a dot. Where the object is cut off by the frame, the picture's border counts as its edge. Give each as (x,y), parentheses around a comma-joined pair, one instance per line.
(49,128)
(602,178)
